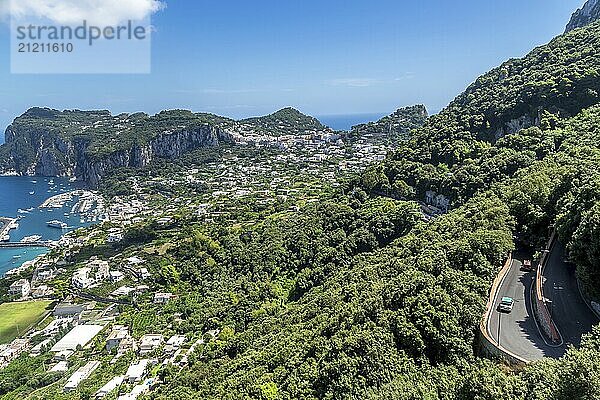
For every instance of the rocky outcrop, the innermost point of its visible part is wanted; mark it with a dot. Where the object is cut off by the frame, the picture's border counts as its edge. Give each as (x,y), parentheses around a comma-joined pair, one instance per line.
(589,13)
(515,125)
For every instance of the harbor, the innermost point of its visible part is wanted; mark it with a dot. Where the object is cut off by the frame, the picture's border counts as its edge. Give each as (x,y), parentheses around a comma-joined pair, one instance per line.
(33,223)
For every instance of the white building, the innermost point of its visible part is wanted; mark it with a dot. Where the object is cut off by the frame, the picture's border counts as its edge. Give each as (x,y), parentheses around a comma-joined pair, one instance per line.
(80,375)
(113,384)
(81,278)
(20,288)
(13,350)
(137,372)
(114,237)
(174,344)
(118,334)
(102,269)
(79,336)
(62,366)
(163,298)
(116,276)
(149,343)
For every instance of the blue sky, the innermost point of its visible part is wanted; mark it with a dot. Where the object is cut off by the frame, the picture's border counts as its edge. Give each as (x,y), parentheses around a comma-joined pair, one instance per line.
(242,58)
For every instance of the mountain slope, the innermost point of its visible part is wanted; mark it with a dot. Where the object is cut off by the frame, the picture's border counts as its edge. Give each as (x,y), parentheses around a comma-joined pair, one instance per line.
(287,121)
(88,144)
(451,153)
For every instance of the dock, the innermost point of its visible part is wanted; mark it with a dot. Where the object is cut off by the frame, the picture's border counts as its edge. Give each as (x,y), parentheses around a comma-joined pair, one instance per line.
(16,245)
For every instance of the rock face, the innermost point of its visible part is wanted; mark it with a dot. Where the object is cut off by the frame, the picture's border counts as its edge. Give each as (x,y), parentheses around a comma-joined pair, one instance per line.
(36,149)
(589,13)
(167,145)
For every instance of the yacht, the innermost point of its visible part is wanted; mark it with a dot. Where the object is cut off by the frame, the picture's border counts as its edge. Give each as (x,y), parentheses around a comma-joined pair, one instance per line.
(56,224)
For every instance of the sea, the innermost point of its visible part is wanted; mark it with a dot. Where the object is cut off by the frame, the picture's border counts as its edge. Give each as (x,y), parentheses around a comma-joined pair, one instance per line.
(346,122)
(21,197)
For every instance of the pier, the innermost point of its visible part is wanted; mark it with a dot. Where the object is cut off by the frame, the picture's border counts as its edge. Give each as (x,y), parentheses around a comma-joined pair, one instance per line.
(16,245)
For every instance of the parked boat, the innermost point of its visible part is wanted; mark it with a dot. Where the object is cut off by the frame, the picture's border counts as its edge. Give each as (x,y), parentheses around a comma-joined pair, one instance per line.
(56,224)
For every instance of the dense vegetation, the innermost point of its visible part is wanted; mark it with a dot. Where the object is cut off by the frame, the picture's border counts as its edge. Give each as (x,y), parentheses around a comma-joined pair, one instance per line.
(401,122)
(398,319)
(287,121)
(361,296)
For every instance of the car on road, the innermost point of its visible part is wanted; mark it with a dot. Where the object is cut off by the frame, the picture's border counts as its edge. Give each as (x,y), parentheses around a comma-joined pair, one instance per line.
(506,304)
(527,265)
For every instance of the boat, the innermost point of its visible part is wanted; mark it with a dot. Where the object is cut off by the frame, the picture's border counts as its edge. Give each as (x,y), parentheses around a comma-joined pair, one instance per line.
(34,182)
(21,211)
(16,257)
(31,193)
(56,224)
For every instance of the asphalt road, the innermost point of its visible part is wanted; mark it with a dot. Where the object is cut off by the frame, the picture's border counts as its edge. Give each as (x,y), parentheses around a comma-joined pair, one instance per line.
(518,331)
(571,314)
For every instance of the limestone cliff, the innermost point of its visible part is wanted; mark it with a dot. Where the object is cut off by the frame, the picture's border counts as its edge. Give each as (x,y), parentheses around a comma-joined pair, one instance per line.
(88,145)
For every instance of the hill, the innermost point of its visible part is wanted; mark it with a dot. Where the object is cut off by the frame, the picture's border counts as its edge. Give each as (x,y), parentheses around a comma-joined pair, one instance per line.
(401,122)
(454,153)
(287,121)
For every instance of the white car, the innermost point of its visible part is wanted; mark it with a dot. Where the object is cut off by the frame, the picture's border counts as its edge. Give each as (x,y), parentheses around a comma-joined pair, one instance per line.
(506,304)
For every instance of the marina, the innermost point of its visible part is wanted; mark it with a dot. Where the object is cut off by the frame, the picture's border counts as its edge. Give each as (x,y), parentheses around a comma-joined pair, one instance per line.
(24,226)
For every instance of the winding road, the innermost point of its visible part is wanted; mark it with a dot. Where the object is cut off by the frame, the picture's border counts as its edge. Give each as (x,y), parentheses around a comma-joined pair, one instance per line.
(518,332)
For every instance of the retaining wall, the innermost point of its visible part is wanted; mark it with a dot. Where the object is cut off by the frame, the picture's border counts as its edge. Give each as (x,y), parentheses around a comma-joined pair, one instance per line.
(540,309)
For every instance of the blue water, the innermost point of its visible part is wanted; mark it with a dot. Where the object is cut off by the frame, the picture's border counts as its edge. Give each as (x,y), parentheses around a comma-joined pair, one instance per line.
(345,122)
(15,195)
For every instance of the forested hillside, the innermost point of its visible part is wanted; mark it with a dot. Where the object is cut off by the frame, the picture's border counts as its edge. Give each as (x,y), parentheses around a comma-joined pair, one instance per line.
(364,300)
(393,311)
(458,151)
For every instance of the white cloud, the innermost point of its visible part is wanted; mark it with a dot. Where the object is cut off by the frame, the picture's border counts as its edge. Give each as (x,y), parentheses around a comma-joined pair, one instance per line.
(70,12)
